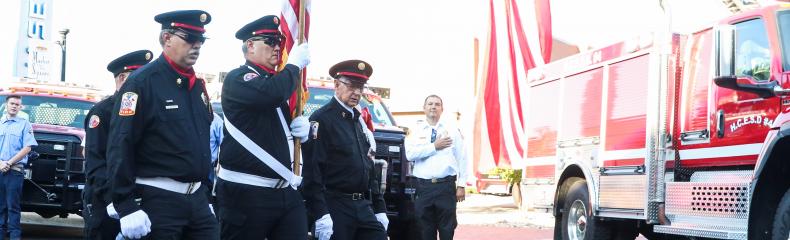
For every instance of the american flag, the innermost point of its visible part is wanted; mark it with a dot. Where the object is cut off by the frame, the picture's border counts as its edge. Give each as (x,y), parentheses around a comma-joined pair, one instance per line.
(289,26)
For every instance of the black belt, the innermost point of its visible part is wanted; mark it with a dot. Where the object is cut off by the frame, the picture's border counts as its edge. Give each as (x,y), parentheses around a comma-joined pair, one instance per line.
(352,196)
(437,180)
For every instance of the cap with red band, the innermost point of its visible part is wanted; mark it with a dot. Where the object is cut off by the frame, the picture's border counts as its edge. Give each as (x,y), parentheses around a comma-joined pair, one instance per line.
(267,25)
(187,26)
(191,21)
(129,61)
(356,70)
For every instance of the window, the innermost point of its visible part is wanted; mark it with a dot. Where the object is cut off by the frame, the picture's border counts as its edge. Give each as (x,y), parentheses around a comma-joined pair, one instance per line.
(784,31)
(53,111)
(321,96)
(752,54)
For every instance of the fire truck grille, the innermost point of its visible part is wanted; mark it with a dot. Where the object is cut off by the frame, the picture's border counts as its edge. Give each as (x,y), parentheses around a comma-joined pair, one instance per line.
(58,155)
(717,208)
(389,150)
(395,168)
(708,199)
(719,199)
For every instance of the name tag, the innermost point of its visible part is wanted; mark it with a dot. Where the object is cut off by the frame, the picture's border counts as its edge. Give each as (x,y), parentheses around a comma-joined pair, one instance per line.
(171,106)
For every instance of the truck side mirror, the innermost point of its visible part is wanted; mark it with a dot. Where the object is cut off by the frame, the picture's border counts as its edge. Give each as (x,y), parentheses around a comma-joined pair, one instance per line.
(725,50)
(764,90)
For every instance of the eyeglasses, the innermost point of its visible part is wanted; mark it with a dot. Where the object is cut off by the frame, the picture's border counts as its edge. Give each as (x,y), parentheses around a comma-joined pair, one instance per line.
(433,135)
(191,38)
(354,86)
(272,41)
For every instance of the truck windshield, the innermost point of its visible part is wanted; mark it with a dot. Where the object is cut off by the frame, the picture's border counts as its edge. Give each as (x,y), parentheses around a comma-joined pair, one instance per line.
(53,110)
(321,96)
(783,19)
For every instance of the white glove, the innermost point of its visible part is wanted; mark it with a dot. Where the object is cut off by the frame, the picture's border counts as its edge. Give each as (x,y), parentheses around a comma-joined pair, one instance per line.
(323,227)
(135,225)
(111,212)
(382,217)
(295,182)
(300,127)
(299,56)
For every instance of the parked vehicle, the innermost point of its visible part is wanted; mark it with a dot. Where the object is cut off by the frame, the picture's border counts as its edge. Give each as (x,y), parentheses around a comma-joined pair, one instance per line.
(55,175)
(681,134)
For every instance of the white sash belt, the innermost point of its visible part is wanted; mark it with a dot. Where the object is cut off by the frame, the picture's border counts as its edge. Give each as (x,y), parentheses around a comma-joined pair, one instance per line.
(169,184)
(249,179)
(262,155)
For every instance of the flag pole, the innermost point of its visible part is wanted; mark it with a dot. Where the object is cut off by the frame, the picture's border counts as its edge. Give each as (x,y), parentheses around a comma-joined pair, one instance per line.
(301,38)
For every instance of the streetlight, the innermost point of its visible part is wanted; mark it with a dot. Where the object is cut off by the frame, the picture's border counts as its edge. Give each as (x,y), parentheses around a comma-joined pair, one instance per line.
(62,44)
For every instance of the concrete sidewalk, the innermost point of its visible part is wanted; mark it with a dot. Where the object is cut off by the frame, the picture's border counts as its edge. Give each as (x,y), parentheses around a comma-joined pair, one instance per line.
(482,209)
(490,217)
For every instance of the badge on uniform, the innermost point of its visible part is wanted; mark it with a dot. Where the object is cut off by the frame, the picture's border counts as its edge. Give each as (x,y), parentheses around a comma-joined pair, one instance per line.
(94,122)
(250,76)
(313,130)
(128,104)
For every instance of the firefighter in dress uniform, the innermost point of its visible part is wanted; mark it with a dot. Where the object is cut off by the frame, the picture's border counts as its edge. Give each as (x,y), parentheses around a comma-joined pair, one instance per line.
(157,152)
(96,195)
(256,188)
(339,179)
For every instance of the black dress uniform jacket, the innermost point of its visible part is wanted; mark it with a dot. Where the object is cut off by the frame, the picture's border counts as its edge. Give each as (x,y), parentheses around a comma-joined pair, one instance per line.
(250,97)
(167,134)
(336,159)
(97,187)
(96,194)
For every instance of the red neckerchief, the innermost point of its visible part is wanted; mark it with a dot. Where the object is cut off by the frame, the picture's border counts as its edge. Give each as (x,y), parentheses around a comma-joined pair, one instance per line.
(268,70)
(189,73)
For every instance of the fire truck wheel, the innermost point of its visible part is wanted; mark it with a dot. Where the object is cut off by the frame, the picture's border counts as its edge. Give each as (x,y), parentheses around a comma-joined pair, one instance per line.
(577,220)
(781,226)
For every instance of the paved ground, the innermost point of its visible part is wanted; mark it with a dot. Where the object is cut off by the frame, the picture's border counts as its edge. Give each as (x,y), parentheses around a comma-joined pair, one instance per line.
(480,217)
(35,227)
(489,217)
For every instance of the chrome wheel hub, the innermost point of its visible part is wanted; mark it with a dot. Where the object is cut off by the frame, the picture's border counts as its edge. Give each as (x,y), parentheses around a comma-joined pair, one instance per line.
(577,220)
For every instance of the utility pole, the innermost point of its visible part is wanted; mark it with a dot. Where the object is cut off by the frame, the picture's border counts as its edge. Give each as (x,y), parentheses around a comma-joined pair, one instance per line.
(62,44)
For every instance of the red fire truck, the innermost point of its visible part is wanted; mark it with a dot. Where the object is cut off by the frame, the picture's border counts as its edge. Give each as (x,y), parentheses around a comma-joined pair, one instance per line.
(682,135)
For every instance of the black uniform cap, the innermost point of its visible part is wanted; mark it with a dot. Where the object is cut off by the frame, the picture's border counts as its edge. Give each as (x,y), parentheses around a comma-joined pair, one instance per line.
(267,25)
(191,21)
(129,61)
(356,70)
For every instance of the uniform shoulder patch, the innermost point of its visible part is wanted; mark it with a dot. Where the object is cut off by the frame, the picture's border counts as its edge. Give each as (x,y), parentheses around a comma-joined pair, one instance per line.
(249,76)
(94,121)
(313,130)
(128,104)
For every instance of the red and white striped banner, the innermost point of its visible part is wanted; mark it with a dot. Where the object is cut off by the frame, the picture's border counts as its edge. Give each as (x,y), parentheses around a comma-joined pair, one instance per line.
(515,45)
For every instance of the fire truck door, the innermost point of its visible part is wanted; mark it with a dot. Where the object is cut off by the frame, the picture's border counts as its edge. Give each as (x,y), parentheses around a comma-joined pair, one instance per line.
(695,89)
(742,119)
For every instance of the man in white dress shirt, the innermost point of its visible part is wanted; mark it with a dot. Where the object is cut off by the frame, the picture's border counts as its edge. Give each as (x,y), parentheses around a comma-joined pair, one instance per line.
(440,167)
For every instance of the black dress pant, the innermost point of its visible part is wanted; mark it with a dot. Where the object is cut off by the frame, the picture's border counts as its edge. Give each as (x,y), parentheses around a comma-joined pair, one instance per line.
(100,226)
(176,215)
(353,219)
(435,209)
(252,212)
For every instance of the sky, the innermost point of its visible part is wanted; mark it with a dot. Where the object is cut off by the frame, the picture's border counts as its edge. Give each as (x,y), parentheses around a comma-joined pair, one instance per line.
(416,47)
